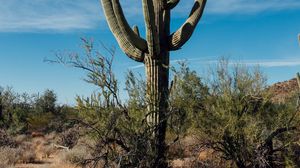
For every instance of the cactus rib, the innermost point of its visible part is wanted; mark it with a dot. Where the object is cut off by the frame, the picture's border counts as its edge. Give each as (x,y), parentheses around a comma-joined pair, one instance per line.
(151,30)
(130,50)
(135,40)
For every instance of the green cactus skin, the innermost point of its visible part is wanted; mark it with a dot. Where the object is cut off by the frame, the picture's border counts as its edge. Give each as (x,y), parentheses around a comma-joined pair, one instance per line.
(154,52)
(125,28)
(183,34)
(123,40)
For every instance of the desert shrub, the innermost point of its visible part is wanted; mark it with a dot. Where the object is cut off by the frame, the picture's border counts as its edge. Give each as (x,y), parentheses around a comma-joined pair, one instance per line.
(240,121)
(187,94)
(70,137)
(19,139)
(21,112)
(48,150)
(9,156)
(39,121)
(27,156)
(52,137)
(63,119)
(27,152)
(6,140)
(15,110)
(77,155)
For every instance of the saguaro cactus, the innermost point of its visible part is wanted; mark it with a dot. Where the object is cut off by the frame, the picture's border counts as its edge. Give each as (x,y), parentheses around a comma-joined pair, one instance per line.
(154,51)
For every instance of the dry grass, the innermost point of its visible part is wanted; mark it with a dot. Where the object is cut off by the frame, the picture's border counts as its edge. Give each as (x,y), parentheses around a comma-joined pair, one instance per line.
(28,157)
(62,165)
(75,155)
(6,140)
(9,156)
(19,139)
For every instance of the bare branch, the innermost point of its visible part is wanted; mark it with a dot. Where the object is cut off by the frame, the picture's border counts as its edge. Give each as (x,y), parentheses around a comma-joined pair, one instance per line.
(278,132)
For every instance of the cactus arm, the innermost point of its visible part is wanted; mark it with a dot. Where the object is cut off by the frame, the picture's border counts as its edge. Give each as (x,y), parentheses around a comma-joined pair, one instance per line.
(125,28)
(183,34)
(151,32)
(130,50)
(136,30)
(172,4)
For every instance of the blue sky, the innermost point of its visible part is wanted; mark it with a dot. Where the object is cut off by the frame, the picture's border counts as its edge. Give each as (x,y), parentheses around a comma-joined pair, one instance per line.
(253,32)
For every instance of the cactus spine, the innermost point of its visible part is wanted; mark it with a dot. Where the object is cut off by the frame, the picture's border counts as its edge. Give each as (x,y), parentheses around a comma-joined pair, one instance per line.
(154,51)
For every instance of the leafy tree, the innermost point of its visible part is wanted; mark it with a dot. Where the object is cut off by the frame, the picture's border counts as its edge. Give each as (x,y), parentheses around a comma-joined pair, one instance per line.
(46,102)
(8,100)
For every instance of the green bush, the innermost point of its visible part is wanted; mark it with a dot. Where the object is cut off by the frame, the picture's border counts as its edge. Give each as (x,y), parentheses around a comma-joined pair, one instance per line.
(187,95)
(240,120)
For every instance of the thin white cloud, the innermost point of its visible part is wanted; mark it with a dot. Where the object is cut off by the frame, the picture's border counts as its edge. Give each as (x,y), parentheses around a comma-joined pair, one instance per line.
(69,15)
(273,63)
(261,63)
(137,66)
(58,15)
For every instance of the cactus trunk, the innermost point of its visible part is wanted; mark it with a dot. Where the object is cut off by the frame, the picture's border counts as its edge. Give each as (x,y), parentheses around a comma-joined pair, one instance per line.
(157,94)
(157,72)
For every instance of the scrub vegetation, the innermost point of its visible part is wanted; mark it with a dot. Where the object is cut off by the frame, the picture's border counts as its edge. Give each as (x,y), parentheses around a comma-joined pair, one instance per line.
(228,118)
(171,116)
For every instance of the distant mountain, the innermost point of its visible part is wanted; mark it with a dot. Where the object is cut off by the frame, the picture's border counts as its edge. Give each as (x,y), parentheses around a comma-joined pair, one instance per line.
(282,91)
